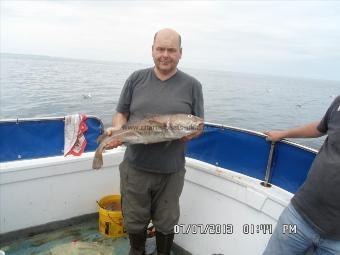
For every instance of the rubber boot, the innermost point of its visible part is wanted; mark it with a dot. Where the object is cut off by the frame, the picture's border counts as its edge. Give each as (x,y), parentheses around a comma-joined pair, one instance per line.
(137,243)
(164,243)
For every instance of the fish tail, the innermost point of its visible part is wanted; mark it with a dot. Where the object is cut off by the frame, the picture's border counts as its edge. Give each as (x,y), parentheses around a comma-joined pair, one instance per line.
(98,159)
(101,138)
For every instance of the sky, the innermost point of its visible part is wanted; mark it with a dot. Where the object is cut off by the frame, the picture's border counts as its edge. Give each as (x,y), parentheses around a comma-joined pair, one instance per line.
(285,38)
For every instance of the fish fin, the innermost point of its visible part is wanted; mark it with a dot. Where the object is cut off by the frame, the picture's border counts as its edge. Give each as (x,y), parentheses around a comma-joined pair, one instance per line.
(129,124)
(151,115)
(98,159)
(148,119)
(157,123)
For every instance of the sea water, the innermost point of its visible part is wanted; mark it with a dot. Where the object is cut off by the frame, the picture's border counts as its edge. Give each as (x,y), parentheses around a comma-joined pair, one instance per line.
(36,86)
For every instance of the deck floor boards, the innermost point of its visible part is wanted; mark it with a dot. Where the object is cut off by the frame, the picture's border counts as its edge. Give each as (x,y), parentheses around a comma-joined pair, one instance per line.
(84,239)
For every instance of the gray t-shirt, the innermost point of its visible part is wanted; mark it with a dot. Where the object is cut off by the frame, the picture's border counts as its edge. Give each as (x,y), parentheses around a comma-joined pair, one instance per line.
(318,199)
(144,95)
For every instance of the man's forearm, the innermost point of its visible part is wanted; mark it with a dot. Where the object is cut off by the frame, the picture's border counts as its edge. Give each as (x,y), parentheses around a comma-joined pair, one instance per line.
(307,131)
(119,119)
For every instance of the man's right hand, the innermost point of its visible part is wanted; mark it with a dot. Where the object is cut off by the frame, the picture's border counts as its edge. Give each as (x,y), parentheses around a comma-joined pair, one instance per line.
(115,142)
(110,130)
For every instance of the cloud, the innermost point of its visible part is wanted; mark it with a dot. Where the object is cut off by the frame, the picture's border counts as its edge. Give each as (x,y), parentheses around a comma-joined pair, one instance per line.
(227,35)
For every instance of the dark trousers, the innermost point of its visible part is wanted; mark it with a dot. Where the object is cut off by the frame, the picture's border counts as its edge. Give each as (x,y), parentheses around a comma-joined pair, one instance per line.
(150,196)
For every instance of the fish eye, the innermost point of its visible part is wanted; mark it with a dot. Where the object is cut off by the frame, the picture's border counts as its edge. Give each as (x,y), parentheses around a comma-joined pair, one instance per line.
(189,116)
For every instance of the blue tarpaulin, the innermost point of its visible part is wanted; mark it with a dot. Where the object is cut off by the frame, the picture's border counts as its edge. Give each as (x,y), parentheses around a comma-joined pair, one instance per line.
(247,153)
(29,139)
(237,150)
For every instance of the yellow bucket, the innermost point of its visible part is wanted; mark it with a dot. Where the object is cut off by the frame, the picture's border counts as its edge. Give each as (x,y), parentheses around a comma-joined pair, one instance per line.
(110,216)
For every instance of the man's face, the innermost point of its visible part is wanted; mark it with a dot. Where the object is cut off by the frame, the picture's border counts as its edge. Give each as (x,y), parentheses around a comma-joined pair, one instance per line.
(166,53)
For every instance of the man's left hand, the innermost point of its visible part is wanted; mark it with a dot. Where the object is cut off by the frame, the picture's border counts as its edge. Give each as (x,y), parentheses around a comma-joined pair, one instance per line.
(189,137)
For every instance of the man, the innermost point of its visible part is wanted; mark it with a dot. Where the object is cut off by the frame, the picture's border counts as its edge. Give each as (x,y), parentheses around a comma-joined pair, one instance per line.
(152,176)
(315,208)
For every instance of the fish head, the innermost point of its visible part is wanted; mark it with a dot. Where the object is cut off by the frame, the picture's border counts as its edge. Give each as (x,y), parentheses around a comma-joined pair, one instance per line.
(187,123)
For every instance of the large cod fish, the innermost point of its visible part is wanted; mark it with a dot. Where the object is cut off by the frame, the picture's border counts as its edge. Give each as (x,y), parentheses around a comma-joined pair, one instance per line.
(155,129)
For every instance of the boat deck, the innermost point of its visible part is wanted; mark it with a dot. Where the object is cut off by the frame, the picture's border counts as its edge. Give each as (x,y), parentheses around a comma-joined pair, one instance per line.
(83,238)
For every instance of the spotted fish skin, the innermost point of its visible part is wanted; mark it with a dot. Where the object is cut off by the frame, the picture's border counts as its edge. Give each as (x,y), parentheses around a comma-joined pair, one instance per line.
(154,129)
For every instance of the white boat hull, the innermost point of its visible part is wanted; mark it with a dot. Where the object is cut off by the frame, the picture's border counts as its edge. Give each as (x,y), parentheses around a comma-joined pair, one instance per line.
(237,211)
(39,191)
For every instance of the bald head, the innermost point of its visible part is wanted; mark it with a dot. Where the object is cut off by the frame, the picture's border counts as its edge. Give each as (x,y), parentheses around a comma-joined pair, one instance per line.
(168,34)
(166,52)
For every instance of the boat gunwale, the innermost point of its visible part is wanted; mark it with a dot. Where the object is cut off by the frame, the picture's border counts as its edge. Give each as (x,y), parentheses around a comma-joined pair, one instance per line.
(261,134)
(33,119)
(244,130)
